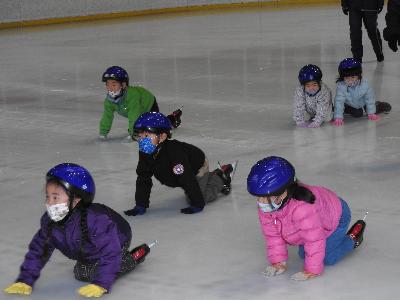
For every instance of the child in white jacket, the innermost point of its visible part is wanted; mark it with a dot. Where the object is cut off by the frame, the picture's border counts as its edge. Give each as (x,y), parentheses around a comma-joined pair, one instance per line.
(312,99)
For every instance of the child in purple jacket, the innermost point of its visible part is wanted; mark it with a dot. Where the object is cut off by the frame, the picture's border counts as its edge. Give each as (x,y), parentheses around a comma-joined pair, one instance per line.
(311,217)
(91,233)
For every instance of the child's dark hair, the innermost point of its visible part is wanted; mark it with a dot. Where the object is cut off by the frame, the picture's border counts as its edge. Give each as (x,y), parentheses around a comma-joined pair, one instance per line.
(341,78)
(84,227)
(300,193)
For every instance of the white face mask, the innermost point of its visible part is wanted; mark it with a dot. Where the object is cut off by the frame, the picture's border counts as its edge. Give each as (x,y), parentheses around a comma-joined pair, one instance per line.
(57,212)
(311,92)
(267,207)
(115,94)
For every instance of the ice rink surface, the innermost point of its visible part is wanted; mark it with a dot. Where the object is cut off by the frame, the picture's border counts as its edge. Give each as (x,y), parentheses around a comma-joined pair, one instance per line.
(235,73)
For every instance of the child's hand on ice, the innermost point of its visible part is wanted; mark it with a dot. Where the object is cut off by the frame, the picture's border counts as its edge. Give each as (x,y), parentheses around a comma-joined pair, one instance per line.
(301,276)
(275,269)
(373,117)
(338,122)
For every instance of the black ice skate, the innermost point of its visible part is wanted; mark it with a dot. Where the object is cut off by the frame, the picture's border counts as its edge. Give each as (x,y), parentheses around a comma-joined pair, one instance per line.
(175,117)
(140,252)
(226,172)
(383,107)
(356,232)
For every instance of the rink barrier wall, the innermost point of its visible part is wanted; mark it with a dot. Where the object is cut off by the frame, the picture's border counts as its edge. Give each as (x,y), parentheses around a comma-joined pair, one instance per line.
(24,13)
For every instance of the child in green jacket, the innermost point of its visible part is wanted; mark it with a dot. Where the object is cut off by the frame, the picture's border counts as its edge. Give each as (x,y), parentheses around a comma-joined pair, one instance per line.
(128,101)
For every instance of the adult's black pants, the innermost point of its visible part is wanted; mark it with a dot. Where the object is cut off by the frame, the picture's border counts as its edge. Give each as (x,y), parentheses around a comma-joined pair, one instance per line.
(370,20)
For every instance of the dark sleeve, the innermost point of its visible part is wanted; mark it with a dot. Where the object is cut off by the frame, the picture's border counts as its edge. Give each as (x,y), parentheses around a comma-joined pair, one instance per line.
(143,181)
(186,177)
(34,259)
(392,18)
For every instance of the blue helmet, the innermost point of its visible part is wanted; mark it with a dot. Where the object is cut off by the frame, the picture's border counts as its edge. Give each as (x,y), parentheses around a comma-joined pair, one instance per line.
(75,179)
(270,176)
(310,73)
(153,122)
(116,73)
(349,67)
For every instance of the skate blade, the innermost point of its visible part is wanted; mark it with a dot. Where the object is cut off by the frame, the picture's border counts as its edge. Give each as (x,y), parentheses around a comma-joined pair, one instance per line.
(153,243)
(234,167)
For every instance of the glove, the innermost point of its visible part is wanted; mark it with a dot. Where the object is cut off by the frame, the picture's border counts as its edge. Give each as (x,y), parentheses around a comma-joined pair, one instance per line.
(191,210)
(275,269)
(338,122)
(102,137)
(137,210)
(91,290)
(302,125)
(345,10)
(301,276)
(19,288)
(128,139)
(313,125)
(393,44)
(373,117)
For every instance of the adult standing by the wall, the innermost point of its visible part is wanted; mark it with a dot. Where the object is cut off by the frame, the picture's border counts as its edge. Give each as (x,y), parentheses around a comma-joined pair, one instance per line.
(392,31)
(366,11)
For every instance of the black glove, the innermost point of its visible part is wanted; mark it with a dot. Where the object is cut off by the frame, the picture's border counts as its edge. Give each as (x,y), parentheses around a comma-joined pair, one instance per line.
(137,210)
(191,210)
(380,9)
(345,10)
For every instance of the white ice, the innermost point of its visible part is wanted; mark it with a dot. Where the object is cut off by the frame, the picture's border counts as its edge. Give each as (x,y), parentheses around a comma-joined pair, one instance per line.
(235,73)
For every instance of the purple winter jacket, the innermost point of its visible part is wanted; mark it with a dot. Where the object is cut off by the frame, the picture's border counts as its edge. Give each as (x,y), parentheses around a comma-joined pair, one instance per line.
(108,232)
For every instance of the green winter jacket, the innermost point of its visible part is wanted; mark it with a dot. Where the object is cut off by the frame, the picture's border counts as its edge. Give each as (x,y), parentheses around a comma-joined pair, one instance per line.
(137,100)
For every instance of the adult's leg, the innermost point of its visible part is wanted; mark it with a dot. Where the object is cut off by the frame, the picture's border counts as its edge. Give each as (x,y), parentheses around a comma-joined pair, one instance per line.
(355,22)
(370,19)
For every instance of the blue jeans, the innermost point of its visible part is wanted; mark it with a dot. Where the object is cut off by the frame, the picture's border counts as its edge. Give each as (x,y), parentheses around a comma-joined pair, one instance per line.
(338,244)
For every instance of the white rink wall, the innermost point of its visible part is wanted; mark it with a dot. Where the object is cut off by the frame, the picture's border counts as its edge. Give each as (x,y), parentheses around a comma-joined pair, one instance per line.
(30,10)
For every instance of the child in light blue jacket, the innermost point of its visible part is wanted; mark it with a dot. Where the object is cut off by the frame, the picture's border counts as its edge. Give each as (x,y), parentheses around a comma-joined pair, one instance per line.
(354,94)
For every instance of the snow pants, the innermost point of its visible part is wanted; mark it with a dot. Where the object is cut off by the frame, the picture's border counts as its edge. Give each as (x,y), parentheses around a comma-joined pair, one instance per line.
(338,243)
(84,271)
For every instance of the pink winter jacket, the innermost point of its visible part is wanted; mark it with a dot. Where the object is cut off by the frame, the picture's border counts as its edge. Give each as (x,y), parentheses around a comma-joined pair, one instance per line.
(301,223)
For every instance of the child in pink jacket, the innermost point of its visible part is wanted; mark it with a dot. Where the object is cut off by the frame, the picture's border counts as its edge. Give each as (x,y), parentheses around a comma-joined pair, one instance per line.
(311,217)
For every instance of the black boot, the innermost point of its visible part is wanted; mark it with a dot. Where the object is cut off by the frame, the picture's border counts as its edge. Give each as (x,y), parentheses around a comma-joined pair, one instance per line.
(356,232)
(175,118)
(140,252)
(382,107)
(226,173)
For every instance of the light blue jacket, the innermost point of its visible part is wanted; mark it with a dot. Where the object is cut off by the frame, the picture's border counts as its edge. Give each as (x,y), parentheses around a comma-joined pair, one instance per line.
(357,97)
